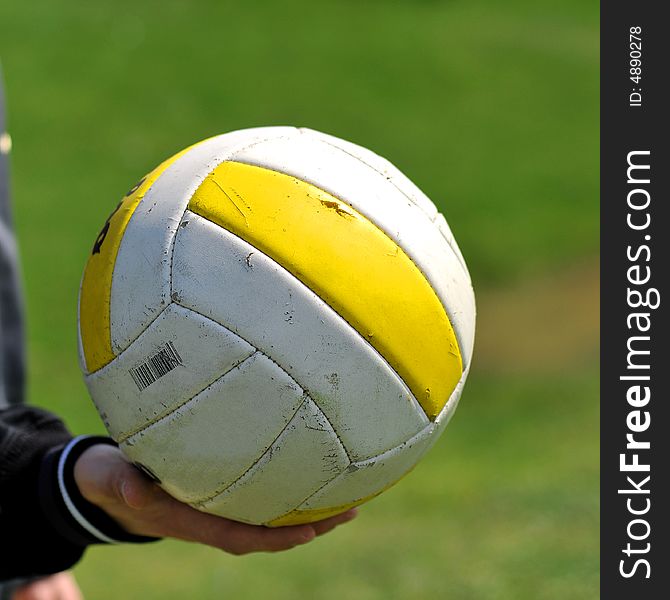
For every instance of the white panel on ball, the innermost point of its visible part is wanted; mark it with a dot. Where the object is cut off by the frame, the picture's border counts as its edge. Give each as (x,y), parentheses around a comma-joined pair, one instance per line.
(361,479)
(303,458)
(449,409)
(141,279)
(219,434)
(205,349)
(445,230)
(372,194)
(382,166)
(368,405)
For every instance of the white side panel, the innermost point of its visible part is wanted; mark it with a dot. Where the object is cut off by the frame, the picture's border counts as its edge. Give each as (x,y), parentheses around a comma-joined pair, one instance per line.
(362,479)
(400,180)
(206,351)
(374,195)
(445,230)
(215,437)
(140,283)
(233,283)
(397,178)
(303,458)
(447,412)
(382,166)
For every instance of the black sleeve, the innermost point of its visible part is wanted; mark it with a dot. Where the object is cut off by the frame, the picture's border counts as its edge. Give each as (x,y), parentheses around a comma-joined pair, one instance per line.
(45,523)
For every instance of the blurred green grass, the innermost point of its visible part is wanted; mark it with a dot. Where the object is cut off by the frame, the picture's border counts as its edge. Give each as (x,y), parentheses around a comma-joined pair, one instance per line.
(492,108)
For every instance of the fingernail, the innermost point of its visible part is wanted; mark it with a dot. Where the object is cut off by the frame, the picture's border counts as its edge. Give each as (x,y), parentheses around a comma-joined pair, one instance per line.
(128,494)
(308,535)
(123,488)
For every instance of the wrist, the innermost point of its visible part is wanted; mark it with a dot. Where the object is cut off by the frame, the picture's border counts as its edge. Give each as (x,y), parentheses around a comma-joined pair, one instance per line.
(76,516)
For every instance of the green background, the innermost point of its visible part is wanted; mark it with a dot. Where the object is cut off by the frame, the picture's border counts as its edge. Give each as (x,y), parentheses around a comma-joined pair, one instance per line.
(492,109)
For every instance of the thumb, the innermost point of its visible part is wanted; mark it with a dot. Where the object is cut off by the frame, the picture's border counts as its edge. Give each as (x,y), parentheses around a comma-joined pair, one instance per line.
(105,477)
(134,488)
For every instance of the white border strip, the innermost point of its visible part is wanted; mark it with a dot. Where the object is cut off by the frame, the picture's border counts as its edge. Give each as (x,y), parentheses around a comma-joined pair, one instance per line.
(74,511)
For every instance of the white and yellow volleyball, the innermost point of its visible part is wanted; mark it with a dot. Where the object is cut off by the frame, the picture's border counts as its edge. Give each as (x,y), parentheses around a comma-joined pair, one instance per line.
(276,325)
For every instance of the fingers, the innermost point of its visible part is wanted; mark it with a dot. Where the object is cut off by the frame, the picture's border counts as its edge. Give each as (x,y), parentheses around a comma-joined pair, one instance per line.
(329,524)
(157,513)
(240,538)
(237,538)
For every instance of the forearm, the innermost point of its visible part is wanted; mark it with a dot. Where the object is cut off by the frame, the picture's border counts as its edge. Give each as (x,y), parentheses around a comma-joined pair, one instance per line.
(31,545)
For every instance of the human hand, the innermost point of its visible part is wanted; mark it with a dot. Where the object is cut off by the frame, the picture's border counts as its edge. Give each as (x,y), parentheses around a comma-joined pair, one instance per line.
(61,586)
(105,478)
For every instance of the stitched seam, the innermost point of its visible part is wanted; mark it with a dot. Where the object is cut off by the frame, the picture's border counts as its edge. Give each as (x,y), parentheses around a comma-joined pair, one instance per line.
(227,158)
(221,490)
(432,426)
(290,376)
(137,337)
(432,220)
(111,288)
(388,178)
(457,254)
(172,237)
(333,478)
(297,507)
(355,463)
(416,405)
(421,432)
(172,409)
(339,441)
(300,131)
(300,385)
(421,271)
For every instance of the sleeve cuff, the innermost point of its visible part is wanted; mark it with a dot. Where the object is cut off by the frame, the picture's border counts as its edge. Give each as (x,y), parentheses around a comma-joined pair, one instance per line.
(74,517)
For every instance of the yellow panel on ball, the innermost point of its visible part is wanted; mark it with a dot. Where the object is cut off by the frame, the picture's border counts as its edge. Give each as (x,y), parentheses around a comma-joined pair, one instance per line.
(96,285)
(298,517)
(347,261)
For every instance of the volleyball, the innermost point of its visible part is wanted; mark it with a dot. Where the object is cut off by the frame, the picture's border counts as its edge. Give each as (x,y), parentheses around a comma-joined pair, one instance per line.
(275,325)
